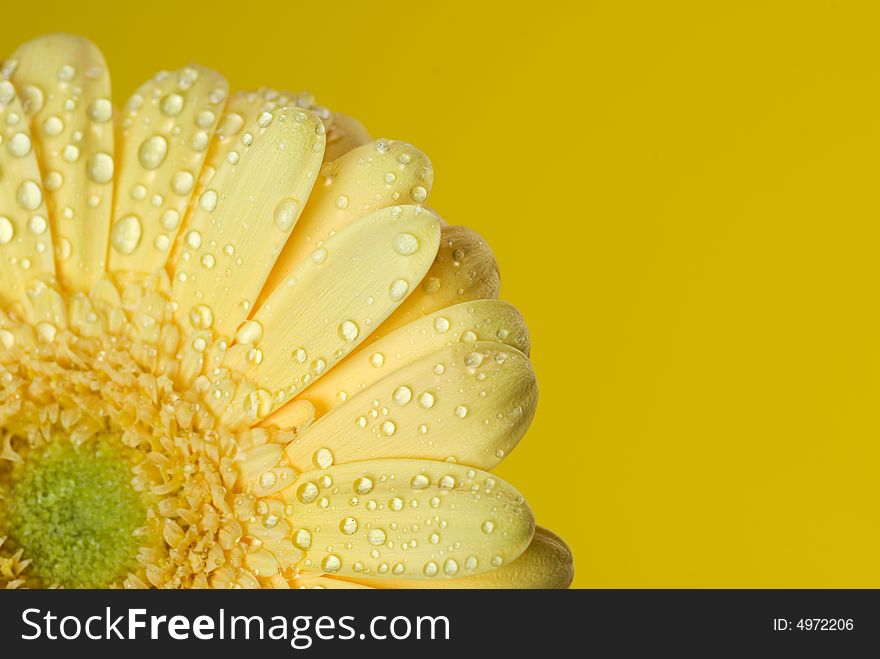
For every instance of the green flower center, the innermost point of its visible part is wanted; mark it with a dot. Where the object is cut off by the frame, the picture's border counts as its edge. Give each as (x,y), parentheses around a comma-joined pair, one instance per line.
(74,512)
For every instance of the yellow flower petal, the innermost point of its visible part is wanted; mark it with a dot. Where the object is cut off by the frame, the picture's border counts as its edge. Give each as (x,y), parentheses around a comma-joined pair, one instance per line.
(166,131)
(407,519)
(464,269)
(547,563)
(67,88)
(469,402)
(344,290)
(321,582)
(345,134)
(483,320)
(370,177)
(25,235)
(242,219)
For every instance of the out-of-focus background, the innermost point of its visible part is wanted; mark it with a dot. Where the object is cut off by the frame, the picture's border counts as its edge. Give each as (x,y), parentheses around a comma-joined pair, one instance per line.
(684,200)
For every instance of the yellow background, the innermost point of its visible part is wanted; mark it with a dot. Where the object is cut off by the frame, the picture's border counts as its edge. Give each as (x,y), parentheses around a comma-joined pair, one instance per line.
(684,201)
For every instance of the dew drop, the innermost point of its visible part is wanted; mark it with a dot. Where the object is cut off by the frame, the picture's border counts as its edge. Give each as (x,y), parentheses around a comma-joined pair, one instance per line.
(342,202)
(441,325)
(170,220)
(307,492)
(29,195)
(348,525)
(461,411)
(172,105)
(450,567)
(348,330)
(194,239)
(431,569)
(265,119)
(302,538)
(388,428)
(402,395)
(405,244)
(70,153)
(319,255)
(419,482)
(37,225)
(182,182)
(100,111)
(7,231)
(323,458)
(250,331)
(398,289)
(53,126)
(331,563)
(426,400)
(201,316)
(286,213)
(267,479)
(19,145)
(376,537)
(162,242)
(363,485)
(208,200)
(100,168)
(377,359)
(152,152)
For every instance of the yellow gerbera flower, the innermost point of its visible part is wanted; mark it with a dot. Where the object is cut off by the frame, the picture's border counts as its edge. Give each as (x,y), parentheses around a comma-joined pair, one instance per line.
(236,350)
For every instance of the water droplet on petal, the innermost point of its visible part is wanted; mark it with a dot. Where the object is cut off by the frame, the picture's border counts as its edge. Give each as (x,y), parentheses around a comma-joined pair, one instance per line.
(286,214)
(307,492)
(331,563)
(152,151)
(250,331)
(402,395)
(208,200)
(201,316)
(7,231)
(398,289)
(125,235)
(405,244)
(363,485)
(100,168)
(100,111)
(348,330)
(348,525)
(29,195)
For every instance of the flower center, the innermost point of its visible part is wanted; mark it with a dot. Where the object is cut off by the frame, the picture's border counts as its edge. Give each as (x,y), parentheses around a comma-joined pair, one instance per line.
(74,512)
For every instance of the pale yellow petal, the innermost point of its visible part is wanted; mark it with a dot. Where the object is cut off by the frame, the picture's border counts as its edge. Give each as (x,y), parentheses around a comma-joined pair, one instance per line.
(25,235)
(465,269)
(344,134)
(67,86)
(547,563)
(482,320)
(467,402)
(370,177)
(166,130)
(242,219)
(331,302)
(321,582)
(407,519)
